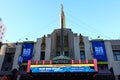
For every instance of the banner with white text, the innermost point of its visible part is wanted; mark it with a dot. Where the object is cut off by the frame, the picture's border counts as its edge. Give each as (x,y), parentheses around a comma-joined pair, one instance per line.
(99,50)
(27,51)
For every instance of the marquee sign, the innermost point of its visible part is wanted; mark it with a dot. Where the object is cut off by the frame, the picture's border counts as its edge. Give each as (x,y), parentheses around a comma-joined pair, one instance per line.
(63,69)
(38,67)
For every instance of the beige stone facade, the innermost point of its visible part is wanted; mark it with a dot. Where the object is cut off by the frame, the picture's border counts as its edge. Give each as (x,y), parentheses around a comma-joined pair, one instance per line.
(51,49)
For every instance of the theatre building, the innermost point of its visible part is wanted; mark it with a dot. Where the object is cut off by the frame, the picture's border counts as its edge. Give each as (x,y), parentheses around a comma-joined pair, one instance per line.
(62,55)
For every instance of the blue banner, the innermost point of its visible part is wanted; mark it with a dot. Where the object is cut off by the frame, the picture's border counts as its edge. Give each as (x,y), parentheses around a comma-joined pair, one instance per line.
(62,69)
(99,50)
(27,51)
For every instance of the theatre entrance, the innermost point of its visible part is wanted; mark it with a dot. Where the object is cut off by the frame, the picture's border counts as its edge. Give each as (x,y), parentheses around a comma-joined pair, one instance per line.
(64,76)
(74,70)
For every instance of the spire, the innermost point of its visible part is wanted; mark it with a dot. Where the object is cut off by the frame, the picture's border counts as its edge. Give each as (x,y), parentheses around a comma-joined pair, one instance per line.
(62,18)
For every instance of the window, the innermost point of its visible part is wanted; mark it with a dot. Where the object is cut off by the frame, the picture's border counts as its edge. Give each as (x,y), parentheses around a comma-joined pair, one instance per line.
(8,62)
(58,53)
(2,33)
(9,57)
(42,57)
(66,41)
(0,26)
(58,41)
(66,53)
(116,55)
(103,67)
(6,68)
(82,55)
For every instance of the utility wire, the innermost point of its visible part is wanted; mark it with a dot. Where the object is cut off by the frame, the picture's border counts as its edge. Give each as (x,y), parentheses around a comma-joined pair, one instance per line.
(71,18)
(34,31)
(89,28)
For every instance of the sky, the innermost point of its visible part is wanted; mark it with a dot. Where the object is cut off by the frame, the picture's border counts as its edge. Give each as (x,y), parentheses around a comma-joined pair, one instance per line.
(33,19)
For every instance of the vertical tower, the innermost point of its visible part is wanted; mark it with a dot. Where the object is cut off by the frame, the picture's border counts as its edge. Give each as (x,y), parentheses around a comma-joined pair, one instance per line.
(62,25)
(2,31)
(62,18)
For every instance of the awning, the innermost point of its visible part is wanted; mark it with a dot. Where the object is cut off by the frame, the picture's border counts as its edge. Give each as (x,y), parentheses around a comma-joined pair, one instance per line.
(61,57)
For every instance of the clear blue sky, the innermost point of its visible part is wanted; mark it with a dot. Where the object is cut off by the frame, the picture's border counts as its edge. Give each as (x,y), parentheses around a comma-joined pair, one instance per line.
(33,18)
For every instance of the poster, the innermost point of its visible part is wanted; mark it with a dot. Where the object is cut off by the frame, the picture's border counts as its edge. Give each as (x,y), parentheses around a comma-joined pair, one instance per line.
(27,51)
(99,50)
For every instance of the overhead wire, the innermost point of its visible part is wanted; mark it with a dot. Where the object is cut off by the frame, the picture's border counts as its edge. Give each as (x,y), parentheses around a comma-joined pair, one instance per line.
(89,28)
(35,32)
(71,17)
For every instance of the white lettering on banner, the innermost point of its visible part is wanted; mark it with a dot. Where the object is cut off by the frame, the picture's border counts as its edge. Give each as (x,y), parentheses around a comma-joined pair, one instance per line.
(99,51)
(45,69)
(26,52)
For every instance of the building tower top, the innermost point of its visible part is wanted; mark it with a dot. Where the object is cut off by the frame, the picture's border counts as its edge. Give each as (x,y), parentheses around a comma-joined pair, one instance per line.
(62,18)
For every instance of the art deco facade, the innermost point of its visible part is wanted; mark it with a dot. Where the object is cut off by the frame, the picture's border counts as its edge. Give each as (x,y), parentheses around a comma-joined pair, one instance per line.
(75,47)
